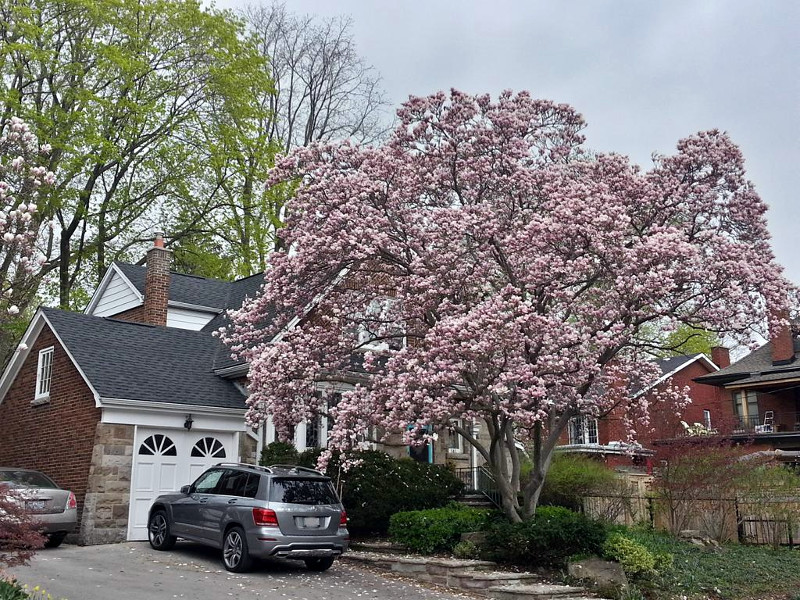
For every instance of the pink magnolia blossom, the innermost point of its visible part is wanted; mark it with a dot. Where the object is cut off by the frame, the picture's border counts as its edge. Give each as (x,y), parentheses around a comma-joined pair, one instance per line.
(21,179)
(526,278)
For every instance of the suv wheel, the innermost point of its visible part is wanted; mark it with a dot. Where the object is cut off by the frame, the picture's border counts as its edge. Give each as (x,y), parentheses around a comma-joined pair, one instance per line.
(235,554)
(54,539)
(158,531)
(319,564)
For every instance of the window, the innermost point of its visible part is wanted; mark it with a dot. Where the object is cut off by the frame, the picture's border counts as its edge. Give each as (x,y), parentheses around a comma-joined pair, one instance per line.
(707,419)
(209,447)
(377,330)
(207,482)
(314,432)
(44,373)
(455,441)
(583,430)
(745,403)
(158,445)
(240,483)
(302,491)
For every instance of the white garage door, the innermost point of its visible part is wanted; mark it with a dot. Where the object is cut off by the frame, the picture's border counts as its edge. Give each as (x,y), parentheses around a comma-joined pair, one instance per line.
(166,459)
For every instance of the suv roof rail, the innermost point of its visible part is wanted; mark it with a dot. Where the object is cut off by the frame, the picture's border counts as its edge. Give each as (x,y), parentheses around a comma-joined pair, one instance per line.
(296,468)
(248,465)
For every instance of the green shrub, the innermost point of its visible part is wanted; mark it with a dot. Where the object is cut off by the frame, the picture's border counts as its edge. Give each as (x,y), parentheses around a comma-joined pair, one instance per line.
(279,453)
(552,536)
(11,590)
(437,529)
(466,550)
(571,477)
(308,458)
(635,558)
(380,486)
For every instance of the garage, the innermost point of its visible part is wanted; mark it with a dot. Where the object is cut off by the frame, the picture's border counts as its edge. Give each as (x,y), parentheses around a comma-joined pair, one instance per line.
(166,459)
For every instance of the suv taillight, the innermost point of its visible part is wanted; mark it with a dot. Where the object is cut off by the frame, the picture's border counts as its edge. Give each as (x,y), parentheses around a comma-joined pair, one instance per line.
(265,517)
(72,502)
(343,519)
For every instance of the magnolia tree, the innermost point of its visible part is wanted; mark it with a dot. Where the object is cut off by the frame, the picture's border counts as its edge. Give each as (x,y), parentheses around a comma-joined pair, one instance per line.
(482,266)
(21,178)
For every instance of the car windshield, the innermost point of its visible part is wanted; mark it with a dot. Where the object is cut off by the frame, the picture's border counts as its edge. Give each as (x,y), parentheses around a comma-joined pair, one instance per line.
(32,479)
(302,491)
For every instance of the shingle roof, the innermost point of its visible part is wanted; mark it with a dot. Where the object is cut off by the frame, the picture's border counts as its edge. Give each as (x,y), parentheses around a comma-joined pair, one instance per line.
(756,367)
(668,365)
(134,361)
(189,289)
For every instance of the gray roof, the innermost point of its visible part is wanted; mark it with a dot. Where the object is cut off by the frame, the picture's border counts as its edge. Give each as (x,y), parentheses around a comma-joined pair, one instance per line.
(135,361)
(756,368)
(189,289)
(204,291)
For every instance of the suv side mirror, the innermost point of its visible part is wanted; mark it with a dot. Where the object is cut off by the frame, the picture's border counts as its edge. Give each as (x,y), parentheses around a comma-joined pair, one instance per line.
(186,490)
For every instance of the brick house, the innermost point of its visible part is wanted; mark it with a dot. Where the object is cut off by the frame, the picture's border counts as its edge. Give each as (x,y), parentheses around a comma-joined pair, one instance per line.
(763,391)
(136,397)
(604,437)
(130,399)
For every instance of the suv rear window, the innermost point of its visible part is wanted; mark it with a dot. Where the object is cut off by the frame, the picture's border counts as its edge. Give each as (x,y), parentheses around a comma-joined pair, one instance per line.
(302,491)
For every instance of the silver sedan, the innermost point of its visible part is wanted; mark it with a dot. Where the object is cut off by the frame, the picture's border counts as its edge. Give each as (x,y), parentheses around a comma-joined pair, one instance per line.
(55,508)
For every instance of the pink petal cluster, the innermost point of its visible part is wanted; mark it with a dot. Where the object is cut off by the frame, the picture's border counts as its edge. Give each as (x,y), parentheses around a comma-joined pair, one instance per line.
(21,179)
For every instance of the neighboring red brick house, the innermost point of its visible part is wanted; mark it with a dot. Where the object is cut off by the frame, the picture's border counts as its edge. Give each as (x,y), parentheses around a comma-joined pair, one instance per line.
(764,395)
(606,436)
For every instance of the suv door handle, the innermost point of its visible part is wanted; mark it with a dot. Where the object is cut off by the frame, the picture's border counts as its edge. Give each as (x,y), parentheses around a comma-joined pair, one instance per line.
(203,500)
(232,501)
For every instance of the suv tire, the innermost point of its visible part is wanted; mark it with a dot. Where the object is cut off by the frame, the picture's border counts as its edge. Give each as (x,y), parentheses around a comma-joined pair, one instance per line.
(158,532)
(54,539)
(319,564)
(235,555)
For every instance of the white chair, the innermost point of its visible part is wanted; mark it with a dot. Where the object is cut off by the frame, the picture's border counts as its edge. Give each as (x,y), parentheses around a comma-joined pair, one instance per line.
(769,423)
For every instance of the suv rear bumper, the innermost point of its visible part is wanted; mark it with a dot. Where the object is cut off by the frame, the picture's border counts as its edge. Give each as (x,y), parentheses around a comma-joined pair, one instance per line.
(280,546)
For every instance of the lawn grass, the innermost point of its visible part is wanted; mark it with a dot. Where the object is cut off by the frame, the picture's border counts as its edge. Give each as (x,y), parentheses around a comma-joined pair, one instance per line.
(732,572)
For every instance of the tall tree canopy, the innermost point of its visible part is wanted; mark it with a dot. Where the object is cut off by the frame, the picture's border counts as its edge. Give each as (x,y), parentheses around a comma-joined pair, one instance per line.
(323,90)
(519,277)
(131,94)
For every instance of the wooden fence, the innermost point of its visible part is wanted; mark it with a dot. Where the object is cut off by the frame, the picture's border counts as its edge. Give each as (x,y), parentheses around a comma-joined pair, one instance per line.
(772,521)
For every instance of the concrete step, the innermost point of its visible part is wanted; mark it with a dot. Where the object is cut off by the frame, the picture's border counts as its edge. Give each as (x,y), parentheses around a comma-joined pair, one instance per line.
(477,580)
(536,591)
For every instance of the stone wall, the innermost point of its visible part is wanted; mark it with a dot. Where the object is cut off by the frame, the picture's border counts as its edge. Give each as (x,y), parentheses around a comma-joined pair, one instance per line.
(109,486)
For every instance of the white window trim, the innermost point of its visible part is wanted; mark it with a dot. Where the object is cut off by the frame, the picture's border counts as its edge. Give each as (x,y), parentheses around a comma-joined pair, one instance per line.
(584,431)
(42,397)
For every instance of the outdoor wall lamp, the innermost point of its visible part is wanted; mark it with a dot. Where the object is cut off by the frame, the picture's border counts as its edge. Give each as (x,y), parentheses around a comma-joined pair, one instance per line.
(188,422)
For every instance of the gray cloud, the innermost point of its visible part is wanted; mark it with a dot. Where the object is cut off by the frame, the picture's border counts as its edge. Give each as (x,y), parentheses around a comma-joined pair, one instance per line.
(643,74)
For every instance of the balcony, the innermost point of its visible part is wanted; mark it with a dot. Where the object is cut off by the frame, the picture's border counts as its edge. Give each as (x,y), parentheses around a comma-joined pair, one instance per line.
(781,422)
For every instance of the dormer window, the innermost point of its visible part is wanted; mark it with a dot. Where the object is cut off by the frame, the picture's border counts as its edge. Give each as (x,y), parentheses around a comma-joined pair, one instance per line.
(44,374)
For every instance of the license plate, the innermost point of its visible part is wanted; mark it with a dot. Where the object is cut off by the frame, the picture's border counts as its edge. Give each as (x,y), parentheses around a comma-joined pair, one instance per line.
(35,505)
(311,521)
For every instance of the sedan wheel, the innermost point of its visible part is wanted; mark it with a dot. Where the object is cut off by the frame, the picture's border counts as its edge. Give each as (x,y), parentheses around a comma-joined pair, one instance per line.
(235,555)
(158,531)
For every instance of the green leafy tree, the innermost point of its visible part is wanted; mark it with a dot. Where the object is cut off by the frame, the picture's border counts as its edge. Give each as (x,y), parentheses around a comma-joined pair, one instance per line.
(134,96)
(690,340)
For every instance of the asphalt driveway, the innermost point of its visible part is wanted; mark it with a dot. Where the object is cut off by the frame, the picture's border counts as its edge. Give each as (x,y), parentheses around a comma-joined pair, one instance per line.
(133,571)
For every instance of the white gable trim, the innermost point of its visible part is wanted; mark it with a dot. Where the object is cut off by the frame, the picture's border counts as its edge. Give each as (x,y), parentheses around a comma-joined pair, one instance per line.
(678,369)
(28,340)
(101,289)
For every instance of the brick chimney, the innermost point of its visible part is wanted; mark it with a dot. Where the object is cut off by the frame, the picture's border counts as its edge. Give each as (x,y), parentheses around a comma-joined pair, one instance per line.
(721,356)
(782,342)
(156,283)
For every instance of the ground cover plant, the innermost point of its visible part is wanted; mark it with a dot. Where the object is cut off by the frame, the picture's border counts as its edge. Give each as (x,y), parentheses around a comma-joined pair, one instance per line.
(734,572)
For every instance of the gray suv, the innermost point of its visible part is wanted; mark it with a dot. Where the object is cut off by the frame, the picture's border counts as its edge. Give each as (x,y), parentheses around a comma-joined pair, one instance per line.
(250,512)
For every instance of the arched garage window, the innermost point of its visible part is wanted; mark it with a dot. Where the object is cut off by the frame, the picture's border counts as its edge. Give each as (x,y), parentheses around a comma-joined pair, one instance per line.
(209,446)
(158,445)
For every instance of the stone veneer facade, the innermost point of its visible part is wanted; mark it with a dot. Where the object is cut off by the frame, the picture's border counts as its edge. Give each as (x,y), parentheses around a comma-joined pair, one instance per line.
(107,502)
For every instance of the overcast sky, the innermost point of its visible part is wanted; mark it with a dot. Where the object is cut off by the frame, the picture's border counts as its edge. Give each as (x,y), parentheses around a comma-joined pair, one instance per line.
(643,73)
